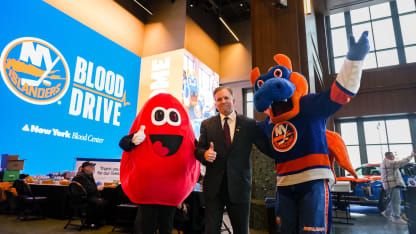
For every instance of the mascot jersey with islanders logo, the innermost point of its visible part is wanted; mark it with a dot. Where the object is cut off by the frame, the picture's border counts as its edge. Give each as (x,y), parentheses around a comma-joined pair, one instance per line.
(34,70)
(296,122)
(298,162)
(162,169)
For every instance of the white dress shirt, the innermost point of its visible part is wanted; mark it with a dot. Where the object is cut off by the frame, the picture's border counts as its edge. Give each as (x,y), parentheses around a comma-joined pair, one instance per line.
(231,123)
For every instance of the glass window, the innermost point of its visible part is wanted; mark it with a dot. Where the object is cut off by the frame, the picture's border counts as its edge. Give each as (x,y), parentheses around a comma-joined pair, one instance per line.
(354,154)
(250,112)
(380,10)
(339,41)
(409,169)
(358,29)
(249,106)
(378,21)
(349,133)
(387,58)
(405,5)
(375,153)
(359,171)
(381,135)
(410,54)
(370,61)
(384,34)
(375,132)
(398,131)
(337,20)
(401,150)
(408,28)
(249,96)
(360,15)
(371,170)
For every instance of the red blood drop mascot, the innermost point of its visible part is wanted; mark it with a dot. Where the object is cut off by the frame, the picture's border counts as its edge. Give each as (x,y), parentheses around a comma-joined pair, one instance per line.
(161,169)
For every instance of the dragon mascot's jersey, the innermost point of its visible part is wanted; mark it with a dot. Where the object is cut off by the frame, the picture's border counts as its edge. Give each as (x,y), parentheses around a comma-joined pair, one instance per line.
(299,145)
(304,151)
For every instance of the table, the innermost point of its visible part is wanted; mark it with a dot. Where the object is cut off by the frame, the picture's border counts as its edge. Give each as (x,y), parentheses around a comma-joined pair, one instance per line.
(57,205)
(341,193)
(340,203)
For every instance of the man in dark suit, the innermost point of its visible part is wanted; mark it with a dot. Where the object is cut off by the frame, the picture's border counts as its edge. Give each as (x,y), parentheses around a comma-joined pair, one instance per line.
(224,148)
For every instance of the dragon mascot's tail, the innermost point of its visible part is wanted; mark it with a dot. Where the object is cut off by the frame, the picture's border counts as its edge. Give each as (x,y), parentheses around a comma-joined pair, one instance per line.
(338,152)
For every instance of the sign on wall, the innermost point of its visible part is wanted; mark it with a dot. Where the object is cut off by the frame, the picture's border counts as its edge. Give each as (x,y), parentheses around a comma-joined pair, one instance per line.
(161,72)
(185,77)
(106,170)
(66,91)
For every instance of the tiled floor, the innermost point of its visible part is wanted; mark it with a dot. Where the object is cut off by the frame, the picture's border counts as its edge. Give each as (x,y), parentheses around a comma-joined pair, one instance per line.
(369,223)
(367,220)
(10,225)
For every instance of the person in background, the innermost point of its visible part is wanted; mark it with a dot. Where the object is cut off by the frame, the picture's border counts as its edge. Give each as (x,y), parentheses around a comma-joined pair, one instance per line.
(96,204)
(79,170)
(392,183)
(224,148)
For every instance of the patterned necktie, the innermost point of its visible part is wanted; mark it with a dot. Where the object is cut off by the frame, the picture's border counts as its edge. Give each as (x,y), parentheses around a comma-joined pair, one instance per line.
(227,134)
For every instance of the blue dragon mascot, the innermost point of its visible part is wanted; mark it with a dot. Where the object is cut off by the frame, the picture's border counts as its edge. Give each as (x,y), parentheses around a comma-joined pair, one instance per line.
(303,150)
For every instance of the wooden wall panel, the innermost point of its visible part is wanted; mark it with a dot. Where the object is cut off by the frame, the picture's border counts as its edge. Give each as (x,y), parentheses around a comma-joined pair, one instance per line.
(384,91)
(275,31)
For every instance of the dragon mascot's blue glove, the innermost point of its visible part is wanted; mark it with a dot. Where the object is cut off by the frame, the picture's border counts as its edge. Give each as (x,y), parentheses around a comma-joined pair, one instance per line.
(358,51)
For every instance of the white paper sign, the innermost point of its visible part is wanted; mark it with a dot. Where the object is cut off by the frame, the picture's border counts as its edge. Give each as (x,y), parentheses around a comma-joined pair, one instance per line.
(106,170)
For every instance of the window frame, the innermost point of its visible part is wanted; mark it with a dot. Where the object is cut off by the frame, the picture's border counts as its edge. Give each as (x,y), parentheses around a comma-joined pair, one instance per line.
(395,17)
(361,134)
(245,102)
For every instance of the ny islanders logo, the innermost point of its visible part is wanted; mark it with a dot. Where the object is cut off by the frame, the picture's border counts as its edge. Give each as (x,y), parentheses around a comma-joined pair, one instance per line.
(34,70)
(284,136)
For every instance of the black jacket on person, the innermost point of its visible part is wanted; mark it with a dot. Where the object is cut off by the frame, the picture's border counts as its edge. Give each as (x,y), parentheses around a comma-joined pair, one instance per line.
(88,183)
(234,164)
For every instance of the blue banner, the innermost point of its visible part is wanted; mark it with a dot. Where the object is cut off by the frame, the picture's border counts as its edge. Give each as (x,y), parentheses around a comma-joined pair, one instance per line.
(66,91)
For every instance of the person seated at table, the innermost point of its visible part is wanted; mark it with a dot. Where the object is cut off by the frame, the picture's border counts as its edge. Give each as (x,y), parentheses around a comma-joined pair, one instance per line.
(96,204)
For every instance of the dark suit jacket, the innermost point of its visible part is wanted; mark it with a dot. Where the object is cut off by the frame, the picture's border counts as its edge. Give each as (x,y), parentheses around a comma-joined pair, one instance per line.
(236,163)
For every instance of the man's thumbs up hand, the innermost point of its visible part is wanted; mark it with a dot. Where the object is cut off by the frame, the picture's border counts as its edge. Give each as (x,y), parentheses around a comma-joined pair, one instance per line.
(211,146)
(210,154)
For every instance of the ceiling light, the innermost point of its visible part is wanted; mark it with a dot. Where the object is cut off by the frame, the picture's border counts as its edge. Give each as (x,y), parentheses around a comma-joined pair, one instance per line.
(147,10)
(229,29)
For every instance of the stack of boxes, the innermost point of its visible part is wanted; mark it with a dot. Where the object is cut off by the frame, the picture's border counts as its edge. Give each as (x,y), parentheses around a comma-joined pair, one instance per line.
(11,166)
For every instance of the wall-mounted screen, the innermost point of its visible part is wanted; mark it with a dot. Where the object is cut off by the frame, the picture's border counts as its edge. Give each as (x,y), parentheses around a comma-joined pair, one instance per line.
(199,82)
(184,76)
(65,90)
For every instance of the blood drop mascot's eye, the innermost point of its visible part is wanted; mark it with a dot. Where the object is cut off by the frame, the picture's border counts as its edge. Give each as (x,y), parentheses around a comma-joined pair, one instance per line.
(162,169)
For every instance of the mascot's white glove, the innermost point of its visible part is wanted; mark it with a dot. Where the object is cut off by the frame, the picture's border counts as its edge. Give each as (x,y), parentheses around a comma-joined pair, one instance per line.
(139,136)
